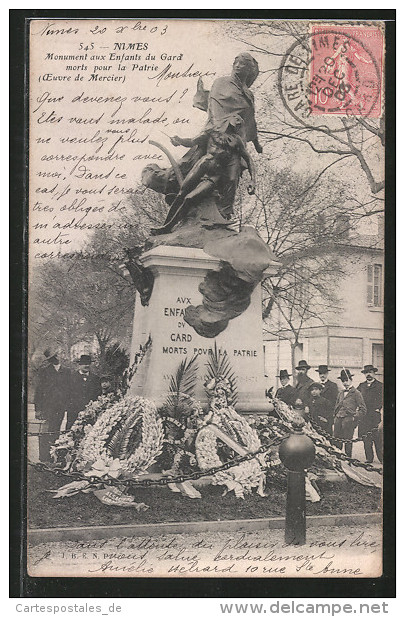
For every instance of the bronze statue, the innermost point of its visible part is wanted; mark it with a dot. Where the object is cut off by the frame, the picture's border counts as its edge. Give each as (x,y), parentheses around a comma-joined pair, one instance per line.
(217,157)
(231,95)
(200,189)
(216,173)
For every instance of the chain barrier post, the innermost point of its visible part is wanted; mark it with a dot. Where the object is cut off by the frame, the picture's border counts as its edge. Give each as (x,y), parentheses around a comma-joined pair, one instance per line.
(297,453)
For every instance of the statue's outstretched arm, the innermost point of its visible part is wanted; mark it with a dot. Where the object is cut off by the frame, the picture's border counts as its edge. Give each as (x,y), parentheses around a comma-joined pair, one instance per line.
(187,142)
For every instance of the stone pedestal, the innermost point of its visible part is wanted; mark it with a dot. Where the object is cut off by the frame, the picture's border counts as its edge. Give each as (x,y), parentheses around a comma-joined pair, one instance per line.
(178,272)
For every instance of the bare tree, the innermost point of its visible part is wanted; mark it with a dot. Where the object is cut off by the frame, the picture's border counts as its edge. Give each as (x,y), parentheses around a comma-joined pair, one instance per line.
(306,219)
(79,298)
(359,139)
(129,227)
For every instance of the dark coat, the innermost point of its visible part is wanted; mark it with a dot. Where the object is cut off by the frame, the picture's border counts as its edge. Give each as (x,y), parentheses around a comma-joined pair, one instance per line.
(350,405)
(302,389)
(330,391)
(52,392)
(287,394)
(83,389)
(373,398)
(321,412)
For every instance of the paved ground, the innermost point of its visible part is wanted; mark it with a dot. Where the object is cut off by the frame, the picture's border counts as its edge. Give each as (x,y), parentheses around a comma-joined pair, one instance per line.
(353,551)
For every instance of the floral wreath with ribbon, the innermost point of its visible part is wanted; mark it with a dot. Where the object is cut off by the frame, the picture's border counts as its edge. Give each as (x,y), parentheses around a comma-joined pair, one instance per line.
(249,474)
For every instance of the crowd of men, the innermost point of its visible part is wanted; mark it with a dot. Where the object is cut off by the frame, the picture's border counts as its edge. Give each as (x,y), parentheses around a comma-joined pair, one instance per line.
(60,391)
(336,411)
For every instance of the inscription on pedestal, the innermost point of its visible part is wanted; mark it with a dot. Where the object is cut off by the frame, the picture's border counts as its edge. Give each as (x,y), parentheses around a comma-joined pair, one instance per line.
(179,340)
(178,273)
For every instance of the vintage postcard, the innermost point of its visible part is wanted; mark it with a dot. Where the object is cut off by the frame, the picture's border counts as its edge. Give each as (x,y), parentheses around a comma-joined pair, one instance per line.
(206,298)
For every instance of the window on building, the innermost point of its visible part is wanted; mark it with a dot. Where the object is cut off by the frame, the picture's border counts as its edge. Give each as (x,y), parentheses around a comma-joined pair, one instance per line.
(374,285)
(378,357)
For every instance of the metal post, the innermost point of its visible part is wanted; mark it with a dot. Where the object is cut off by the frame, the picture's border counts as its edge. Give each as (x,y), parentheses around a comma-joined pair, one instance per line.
(297,453)
(295,523)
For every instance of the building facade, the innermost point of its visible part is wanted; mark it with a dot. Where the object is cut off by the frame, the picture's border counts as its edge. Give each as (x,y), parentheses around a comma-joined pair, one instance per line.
(349,337)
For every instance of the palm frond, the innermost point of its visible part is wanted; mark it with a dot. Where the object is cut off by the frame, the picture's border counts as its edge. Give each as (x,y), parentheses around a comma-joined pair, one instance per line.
(218,366)
(122,434)
(114,439)
(183,381)
(127,434)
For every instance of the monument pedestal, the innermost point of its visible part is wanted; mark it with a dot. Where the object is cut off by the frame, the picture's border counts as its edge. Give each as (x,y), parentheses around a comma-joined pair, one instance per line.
(178,272)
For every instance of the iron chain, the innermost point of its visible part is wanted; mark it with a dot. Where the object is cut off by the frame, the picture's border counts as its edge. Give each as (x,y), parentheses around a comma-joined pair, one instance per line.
(341,439)
(196,475)
(344,457)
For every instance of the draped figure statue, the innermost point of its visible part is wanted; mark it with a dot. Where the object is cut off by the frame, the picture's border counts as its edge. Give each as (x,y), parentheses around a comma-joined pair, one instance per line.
(201,171)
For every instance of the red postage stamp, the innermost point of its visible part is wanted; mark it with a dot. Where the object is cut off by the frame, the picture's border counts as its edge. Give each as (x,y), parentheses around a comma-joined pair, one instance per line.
(345,76)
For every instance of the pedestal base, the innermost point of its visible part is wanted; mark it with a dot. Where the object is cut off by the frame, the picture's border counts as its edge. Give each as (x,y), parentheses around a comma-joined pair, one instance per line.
(178,272)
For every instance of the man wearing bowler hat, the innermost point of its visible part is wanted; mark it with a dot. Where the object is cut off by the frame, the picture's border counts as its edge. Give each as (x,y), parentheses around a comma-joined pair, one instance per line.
(51,396)
(84,387)
(349,410)
(303,382)
(286,392)
(329,388)
(372,393)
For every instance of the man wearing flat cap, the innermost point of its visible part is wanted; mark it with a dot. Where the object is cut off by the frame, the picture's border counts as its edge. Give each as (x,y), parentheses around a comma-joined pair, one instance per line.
(349,410)
(286,392)
(372,393)
(84,387)
(107,384)
(329,388)
(320,409)
(51,396)
(303,382)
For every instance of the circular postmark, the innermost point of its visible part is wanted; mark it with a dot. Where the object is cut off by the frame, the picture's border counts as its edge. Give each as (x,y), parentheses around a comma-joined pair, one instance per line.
(333,73)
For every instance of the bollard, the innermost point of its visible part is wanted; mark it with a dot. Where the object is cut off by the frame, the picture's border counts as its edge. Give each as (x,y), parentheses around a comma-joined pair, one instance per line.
(297,453)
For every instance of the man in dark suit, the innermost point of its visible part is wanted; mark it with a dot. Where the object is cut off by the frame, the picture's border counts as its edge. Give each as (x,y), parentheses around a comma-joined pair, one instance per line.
(320,408)
(349,410)
(286,392)
(303,382)
(372,392)
(329,388)
(51,398)
(84,387)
